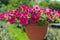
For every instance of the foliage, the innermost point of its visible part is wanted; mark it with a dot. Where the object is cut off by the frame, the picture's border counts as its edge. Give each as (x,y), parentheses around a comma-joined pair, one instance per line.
(17,33)
(4,32)
(55,5)
(4,2)
(13,4)
(44,4)
(53,34)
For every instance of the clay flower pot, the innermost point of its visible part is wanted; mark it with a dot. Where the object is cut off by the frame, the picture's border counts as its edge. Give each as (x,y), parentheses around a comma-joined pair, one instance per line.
(36,32)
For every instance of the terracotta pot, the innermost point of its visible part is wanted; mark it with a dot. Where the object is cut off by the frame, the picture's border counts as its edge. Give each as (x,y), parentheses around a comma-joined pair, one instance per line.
(36,32)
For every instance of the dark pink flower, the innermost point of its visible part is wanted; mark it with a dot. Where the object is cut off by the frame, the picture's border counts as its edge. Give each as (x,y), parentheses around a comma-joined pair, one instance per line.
(17,13)
(23,7)
(34,17)
(23,20)
(28,8)
(57,13)
(6,15)
(32,11)
(12,19)
(2,16)
(9,13)
(41,9)
(50,17)
(38,14)
(25,13)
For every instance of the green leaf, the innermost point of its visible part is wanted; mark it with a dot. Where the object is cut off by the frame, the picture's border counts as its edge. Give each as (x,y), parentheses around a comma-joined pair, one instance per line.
(17,33)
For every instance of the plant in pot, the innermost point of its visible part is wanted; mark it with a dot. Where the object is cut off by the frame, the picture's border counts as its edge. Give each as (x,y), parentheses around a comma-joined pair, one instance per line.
(34,20)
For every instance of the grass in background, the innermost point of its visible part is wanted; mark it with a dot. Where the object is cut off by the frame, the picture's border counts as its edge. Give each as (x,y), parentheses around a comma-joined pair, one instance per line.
(17,33)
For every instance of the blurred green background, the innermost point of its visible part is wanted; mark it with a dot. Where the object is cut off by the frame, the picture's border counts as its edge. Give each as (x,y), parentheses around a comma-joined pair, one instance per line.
(19,34)
(6,5)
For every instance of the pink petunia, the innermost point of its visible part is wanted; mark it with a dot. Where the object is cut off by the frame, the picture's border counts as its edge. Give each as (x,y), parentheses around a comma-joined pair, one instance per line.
(23,20)
(17,13)
(32,11)
(38,14)
(9,13)
(41,9)
(12,19)
(2,16)
(57,13)
(50,17)
(22,7)
(28,8)
(6,16)
(47,10)
(36,7)
(34,17)
(25,13)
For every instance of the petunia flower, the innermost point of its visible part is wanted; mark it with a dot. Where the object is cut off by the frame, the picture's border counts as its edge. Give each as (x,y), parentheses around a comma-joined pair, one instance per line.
(23,20)
(47,10)
(9,13)
(12,19)
(38,14)
(25,13)
(6,15)
(28,8)
(49,16)
(36,7)
(2,16)
(57,13)
(32,11)
(22,7)
(17,13)
(41,9)
(34,17)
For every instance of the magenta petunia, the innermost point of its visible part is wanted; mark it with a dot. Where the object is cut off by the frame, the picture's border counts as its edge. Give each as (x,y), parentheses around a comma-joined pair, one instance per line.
(41,9)
(57,13)
(12,19)
(28,8)
(23,20)
(9,13)
(2,16)
(25,13)
(34,17)
(38,14)
(32,11)
(6,15)
(25,8)
(47,10)
(22,7)
(17,13)
(49,16)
